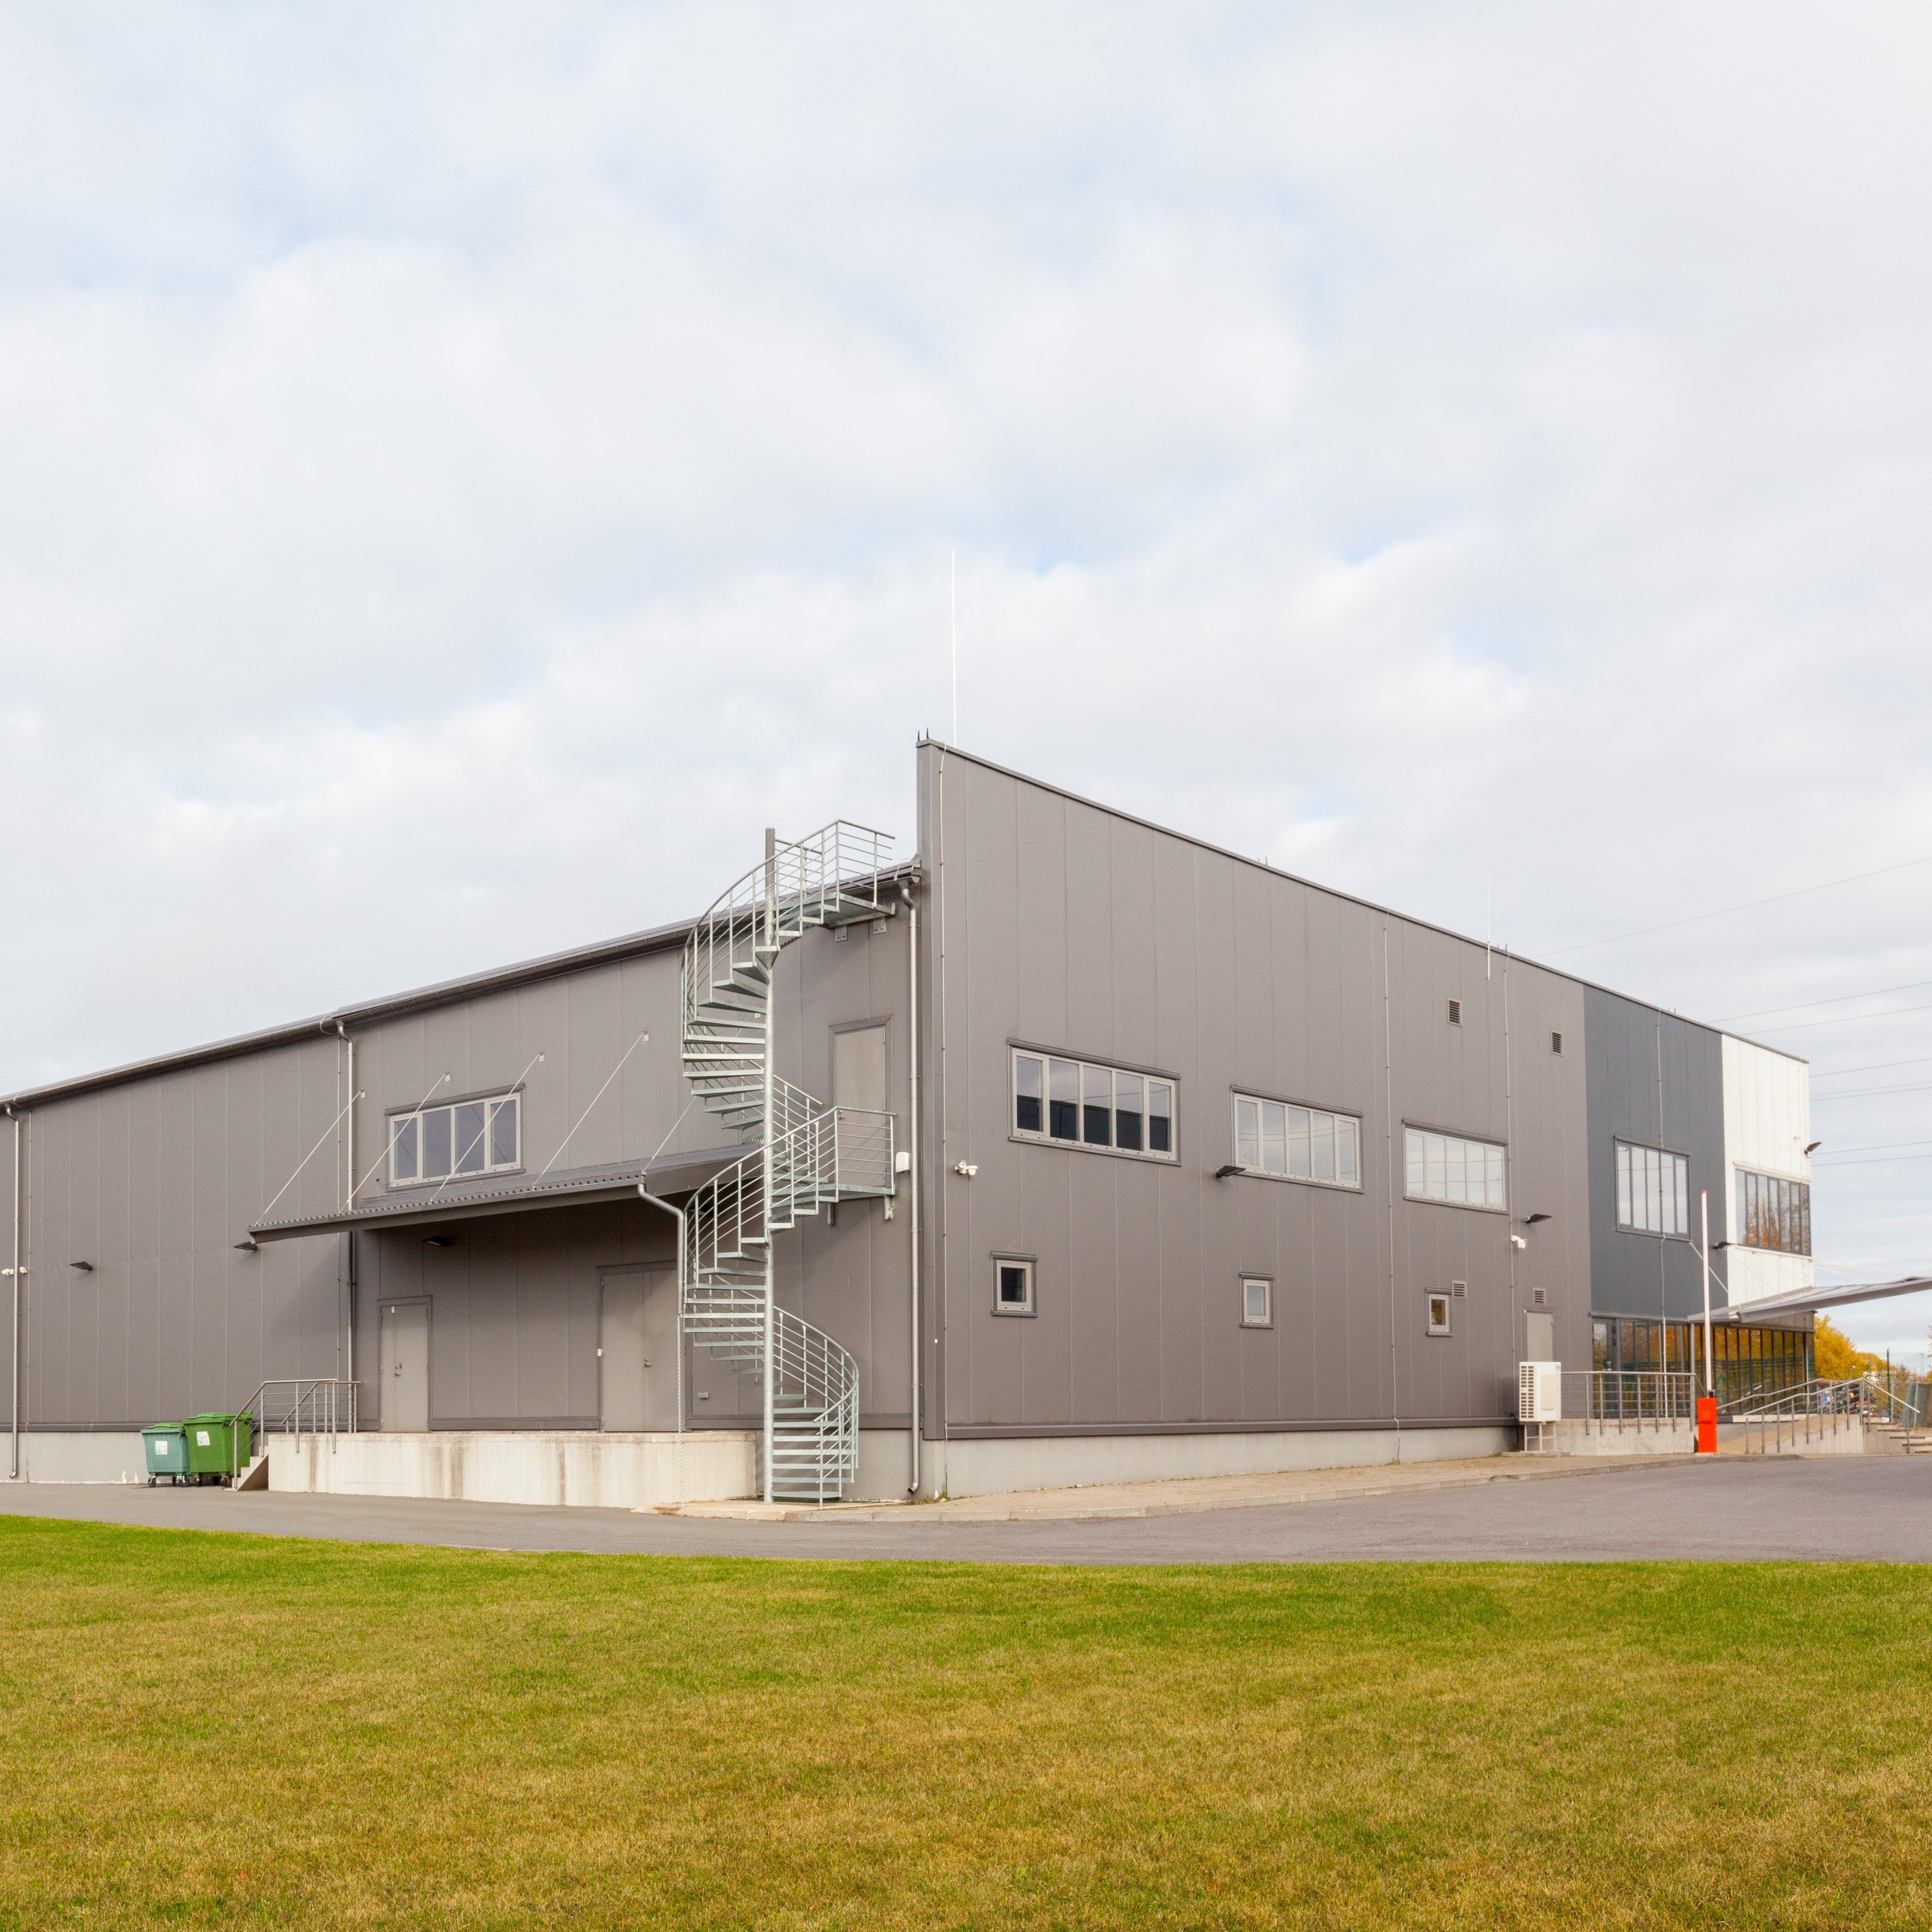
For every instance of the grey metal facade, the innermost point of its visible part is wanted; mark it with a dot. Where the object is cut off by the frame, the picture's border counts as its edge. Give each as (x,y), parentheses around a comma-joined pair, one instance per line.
(1057,924)
(1045,921)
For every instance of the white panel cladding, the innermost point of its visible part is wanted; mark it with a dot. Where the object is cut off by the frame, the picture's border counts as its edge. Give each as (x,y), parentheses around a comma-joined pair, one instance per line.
(1767,1127)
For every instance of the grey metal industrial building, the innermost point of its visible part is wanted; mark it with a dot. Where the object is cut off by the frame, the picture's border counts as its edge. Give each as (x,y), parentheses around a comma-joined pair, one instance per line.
(1065,1148)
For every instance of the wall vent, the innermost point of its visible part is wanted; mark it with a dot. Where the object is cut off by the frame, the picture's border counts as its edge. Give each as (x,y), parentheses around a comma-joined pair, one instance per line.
(1455,1012)
(1556,1042)
(1460,1290)
(1539,1297)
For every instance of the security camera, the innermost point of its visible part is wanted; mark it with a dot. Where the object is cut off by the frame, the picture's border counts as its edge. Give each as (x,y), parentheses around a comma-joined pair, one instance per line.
(1517,1241)
(966,1168)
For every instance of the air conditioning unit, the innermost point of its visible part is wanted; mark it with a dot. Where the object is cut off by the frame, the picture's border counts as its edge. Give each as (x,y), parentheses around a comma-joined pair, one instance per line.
(1539,1391)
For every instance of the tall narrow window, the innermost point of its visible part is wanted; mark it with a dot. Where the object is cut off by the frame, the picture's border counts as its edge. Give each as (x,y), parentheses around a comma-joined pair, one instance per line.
(1063,1109)
(1129,1112)
(1029,1093)
(1160,1117)
(1097,1105)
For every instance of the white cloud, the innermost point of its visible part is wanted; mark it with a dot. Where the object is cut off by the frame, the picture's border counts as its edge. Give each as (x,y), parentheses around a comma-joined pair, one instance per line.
(463,472)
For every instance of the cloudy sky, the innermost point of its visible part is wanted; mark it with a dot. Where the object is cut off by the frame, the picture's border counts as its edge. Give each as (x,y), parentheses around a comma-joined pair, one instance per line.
(464,470)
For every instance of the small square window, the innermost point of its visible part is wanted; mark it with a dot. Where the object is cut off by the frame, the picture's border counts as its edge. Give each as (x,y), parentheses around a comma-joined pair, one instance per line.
(1438,1314)
(1556,1042)
(1455,1012)
(1458,1291)
(1257,1303)
(1012,1285)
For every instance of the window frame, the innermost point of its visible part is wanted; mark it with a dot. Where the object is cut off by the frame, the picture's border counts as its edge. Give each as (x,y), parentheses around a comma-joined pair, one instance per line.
(490,1099)
(1236,1095)
(1435,1330)
(1265,1282)
(1618,1147)
(1799,1211)
(1082,1068)
(1031,1263)
(1468,1140)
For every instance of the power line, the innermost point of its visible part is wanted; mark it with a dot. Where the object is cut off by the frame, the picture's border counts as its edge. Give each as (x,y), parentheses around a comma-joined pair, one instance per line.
(1851,879)
(1870,1066)
(1880,1160)
(1867,1093)
(1805,1006)
(1846,1019)
(1870,1147)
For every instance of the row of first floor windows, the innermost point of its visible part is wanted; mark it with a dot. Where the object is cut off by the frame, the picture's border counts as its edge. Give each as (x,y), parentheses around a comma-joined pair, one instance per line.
(1749,1357)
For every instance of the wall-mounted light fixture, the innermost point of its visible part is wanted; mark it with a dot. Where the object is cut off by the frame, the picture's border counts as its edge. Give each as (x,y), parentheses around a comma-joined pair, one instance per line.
(1227,1173)
(248,1245)
(1813,1148)
(85,1267)
(439,1240)
(1534,1219)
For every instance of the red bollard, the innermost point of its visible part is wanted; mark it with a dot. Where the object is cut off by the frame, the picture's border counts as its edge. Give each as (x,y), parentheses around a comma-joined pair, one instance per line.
(1707,1425)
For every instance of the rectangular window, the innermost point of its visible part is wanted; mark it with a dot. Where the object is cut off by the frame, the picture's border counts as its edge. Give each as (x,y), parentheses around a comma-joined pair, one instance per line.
(1438,1314)
(1450,1167)
(1029,1093)
(1653,1191)
(1774,1213)
(467,1138)
(1257,1301)
(1089,1104)
(1062,1100)
(1297,1143)
(1012,1284)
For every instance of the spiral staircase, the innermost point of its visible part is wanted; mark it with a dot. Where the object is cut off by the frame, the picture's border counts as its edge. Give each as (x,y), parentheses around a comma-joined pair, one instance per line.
(808,1156)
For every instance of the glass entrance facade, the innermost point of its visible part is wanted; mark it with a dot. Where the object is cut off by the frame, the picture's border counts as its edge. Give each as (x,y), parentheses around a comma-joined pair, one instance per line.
(1748,1361)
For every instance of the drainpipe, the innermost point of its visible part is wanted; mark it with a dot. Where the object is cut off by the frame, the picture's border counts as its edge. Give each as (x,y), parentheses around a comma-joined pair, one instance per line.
(657,1201)
(912,913)
(349,1201)
(16,1271)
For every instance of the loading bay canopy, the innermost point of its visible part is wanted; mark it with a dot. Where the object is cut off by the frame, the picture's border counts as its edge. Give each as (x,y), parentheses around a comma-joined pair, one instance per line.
(1810,1301)
(460,1201)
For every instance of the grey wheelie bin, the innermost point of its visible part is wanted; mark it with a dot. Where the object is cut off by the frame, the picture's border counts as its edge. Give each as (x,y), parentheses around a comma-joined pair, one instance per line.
(166,1446)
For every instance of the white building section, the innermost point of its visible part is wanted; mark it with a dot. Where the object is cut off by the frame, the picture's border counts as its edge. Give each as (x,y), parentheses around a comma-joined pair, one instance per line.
(1767,1128)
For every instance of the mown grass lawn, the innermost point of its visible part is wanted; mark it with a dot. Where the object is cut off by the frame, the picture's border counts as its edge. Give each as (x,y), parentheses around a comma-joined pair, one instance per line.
(213,1730)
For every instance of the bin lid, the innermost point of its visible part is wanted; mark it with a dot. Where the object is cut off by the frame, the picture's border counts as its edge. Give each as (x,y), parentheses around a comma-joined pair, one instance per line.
(227,1418)
(164,1429)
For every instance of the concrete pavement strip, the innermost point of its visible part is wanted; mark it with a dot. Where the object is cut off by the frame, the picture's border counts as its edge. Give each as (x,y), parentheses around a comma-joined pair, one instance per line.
(1102,1502)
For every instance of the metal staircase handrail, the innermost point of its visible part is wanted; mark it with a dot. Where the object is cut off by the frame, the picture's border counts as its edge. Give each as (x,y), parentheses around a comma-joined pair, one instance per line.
(808,1156)
(331,1412)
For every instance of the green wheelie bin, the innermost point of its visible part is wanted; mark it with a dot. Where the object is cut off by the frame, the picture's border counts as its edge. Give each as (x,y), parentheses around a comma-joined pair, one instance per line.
(219,1446)
(166,1446)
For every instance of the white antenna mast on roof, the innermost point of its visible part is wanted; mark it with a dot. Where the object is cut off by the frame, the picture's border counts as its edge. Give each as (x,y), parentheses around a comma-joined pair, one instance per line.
(955,738)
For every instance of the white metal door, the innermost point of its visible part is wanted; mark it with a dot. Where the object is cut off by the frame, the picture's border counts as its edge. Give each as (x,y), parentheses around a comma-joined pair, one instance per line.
(405,1367)
(1539,1337)
(638,1349)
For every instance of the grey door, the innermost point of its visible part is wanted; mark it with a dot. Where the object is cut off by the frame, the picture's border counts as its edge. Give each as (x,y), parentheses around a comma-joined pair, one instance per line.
(405,1367)
(859,1067)
(1540,1337)
(636,1349)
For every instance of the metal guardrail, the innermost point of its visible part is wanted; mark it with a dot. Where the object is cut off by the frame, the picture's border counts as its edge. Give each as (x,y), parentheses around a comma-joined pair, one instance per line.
(1819,1410)
(1619,1398)
(297,1405)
